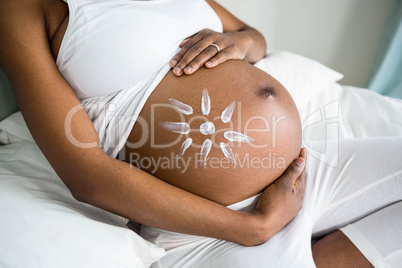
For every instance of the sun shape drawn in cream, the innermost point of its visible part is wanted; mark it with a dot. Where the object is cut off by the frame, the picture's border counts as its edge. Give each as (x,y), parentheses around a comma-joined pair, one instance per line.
(206,128)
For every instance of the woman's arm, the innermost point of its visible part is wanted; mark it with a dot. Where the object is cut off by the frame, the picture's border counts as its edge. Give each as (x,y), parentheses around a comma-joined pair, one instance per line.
(238,41)
(257,46)
(45,99)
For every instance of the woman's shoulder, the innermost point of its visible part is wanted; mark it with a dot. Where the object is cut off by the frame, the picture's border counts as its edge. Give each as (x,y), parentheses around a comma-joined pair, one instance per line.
(29,13)
(13,7)
(18,21)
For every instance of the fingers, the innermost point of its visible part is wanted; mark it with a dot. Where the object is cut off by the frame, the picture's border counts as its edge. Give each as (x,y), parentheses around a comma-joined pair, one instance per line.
(300,182)
(185,41)
(284,198)
(303,153)
(177,62)
(195,57)
(218,59)
(197,51)
(294,170)
(293,178)
(202,58)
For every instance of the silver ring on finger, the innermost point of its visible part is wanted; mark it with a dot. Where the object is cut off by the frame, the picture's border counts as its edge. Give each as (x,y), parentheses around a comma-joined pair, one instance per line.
(216,46)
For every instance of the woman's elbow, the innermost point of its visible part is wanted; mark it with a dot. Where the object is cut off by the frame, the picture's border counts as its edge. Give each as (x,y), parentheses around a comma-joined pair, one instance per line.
(78,190)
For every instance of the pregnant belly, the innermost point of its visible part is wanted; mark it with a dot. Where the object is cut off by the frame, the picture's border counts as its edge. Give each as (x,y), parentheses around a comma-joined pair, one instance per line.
(202,147)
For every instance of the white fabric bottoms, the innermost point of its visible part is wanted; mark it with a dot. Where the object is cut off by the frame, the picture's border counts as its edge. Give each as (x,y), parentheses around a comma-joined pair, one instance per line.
(353,179)
(378,236)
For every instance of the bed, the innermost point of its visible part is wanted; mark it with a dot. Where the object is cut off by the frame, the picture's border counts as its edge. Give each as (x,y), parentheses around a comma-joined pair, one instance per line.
(42,225)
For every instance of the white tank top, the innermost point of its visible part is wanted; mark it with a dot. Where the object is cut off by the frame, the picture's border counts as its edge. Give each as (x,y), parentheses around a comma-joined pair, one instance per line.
(115,52)
(110,45)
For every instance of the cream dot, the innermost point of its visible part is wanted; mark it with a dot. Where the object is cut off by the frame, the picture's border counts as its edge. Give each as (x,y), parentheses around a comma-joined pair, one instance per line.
(207,128)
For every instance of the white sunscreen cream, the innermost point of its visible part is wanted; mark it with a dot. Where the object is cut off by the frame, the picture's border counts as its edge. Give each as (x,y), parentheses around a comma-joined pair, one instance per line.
(236,136)
(181,107)
(184,146)
(205,102)
(176,127)
(207,128)
(205,148)
(226,115)
(228,152)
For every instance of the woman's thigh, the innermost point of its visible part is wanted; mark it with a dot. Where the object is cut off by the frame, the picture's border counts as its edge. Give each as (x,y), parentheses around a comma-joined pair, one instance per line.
(336,250)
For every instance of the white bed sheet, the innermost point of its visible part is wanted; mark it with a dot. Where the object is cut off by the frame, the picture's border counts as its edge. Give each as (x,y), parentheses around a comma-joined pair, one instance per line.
(42,225)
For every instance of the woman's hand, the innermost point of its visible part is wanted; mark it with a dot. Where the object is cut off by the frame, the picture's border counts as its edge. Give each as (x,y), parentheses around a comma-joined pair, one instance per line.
(282,200)
(197,50)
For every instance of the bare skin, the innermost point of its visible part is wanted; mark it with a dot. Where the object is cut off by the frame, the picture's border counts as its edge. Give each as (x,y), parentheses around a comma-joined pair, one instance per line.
(336,250)
(28,47)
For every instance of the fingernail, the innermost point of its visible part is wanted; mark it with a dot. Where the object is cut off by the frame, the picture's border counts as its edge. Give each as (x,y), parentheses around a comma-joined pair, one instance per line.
(173,63)
(188,69)
(177,70)
(209,63)
(299,161)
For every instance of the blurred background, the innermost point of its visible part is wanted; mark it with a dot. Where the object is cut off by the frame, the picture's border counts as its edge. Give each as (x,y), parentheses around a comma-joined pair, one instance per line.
(353,37)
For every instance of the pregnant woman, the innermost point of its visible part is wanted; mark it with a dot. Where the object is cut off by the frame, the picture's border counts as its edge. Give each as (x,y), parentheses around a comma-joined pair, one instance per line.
(200,132)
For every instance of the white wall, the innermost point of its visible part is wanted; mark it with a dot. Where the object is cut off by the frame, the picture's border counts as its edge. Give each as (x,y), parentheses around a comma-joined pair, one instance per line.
(342,34)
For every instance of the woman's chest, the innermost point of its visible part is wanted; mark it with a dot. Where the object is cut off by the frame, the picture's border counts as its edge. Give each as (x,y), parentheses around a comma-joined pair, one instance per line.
(104,46)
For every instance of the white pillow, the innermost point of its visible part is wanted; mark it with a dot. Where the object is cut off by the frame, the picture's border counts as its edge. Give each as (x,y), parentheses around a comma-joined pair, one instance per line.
(42,225)
(304,78)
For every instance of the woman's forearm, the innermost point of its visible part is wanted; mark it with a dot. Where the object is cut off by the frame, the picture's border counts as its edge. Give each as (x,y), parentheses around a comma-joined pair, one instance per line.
(252,39)
(122,189)
(256,44)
